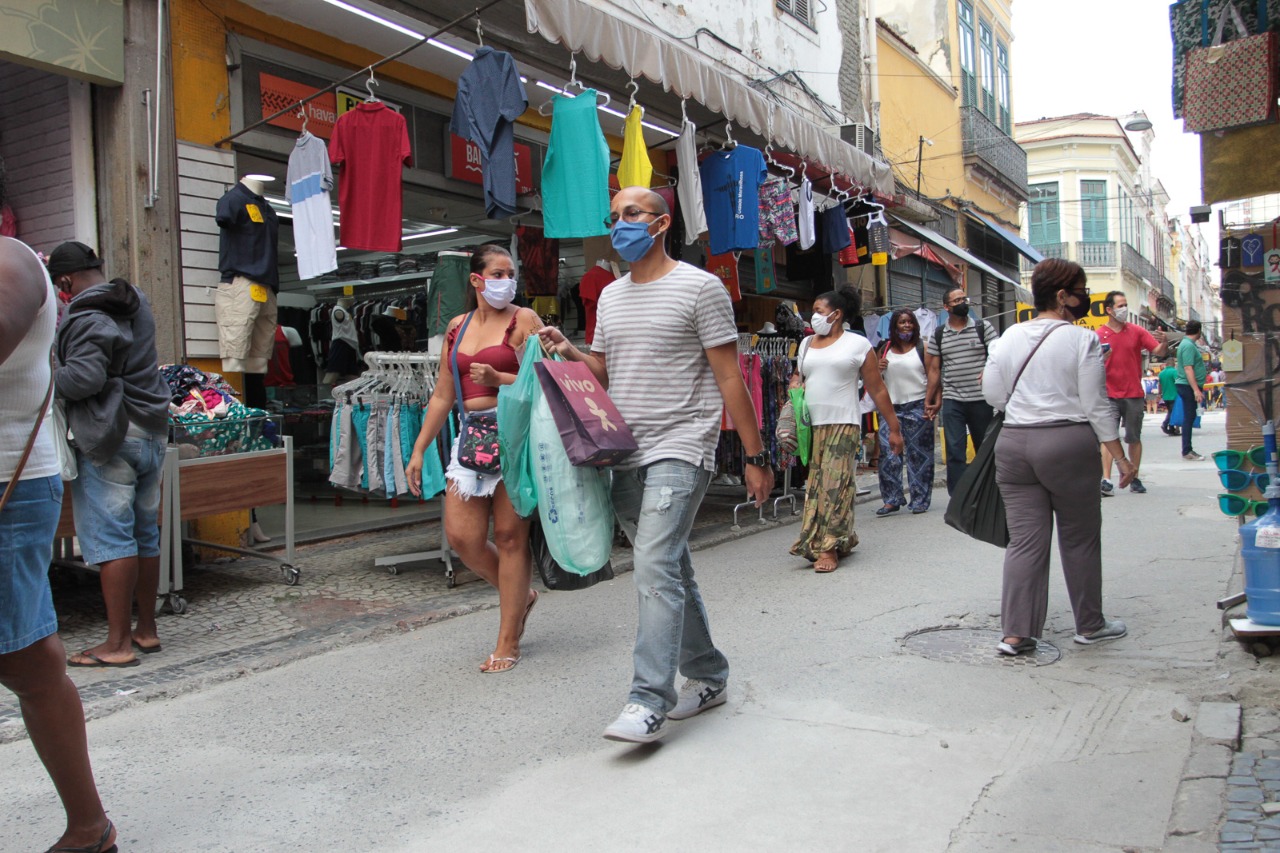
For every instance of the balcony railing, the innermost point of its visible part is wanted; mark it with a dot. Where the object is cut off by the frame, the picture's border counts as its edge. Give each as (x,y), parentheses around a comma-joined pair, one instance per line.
(1096,254)
(1131,261)
(1004,158)
(1166,290)
(1049,250)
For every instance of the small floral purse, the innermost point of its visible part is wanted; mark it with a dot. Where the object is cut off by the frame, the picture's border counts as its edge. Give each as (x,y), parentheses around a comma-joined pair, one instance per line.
(478,431)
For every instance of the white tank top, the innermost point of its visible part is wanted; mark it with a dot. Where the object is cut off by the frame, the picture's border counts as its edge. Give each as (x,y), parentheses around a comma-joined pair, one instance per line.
(24,376)
(905,377)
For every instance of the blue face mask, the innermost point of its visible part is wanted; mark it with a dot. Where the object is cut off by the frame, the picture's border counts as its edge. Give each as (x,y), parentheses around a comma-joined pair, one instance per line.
(631,240)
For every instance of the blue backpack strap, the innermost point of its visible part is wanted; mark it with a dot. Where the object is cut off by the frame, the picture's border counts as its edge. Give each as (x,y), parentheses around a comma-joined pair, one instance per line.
(457,380)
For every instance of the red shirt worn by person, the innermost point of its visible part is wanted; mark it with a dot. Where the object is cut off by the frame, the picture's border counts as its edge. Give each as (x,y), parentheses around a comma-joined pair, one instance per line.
(1124,367)
(589,289)
(370,143)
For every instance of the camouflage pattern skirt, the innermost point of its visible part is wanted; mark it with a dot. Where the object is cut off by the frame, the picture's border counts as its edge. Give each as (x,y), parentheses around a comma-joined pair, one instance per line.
(828,507)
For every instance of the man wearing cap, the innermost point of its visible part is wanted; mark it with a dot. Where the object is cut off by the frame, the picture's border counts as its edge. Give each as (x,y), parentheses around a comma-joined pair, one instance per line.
(118,412)
(32,658)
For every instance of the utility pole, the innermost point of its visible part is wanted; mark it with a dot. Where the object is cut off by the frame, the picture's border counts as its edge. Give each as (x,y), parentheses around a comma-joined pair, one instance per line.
(920,161)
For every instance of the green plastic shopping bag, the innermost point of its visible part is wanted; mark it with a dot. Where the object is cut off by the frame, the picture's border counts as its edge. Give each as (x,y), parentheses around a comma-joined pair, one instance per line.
(804,427)
(515,408)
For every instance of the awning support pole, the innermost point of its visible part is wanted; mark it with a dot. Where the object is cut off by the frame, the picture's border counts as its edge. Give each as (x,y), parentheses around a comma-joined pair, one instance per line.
(293,107)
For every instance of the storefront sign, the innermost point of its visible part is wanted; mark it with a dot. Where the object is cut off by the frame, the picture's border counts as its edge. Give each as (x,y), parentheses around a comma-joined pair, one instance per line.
(83,39)
(464,163)
(279,93)
(1095,319)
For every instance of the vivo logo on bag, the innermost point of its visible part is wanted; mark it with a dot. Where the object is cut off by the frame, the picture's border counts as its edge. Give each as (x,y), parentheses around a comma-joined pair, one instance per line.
(590,426)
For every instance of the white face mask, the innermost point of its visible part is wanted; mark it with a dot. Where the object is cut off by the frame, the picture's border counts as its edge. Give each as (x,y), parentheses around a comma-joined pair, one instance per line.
(1121,315)
(821,324)
(499,292)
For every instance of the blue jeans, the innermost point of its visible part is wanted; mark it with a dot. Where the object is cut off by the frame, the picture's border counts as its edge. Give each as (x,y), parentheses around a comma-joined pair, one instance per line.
(656,506)
(117,504)
(1188,396)
(27,526)
(917,439)
(959,421)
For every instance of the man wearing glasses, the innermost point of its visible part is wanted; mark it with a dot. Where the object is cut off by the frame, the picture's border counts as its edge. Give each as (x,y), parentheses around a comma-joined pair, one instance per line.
(961,344)
(666,347)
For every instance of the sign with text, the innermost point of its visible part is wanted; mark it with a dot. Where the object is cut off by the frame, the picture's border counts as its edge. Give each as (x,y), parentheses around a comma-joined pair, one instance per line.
(277,93)
(1096,318)
(465,157)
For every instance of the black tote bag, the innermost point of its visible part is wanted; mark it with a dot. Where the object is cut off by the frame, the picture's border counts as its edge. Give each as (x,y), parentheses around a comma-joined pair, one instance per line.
(977,508)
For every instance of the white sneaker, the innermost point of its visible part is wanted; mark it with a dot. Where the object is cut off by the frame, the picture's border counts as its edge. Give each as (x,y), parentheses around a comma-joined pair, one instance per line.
(1113,629)
(636,724)
(696,697)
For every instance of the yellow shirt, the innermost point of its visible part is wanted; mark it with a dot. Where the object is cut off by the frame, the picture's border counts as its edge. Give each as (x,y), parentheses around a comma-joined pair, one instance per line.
(635,170)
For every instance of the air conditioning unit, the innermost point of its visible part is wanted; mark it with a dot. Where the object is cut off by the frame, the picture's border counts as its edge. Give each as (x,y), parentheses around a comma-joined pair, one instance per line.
(860,136)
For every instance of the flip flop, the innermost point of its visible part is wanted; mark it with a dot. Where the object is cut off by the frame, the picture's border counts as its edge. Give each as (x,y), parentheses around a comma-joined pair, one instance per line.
(99,662)
(487,669)
(147,650)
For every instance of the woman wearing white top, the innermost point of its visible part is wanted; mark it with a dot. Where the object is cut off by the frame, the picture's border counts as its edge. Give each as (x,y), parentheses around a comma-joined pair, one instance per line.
(830,363)
(1047,456)
(905,365)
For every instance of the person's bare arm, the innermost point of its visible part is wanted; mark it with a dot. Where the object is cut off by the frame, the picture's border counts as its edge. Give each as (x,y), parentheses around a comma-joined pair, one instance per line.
(22,292)
(560,345)
(933,388)
(733,390)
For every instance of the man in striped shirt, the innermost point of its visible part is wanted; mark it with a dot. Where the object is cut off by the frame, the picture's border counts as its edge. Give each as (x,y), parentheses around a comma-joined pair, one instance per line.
(961,345)
(666,347)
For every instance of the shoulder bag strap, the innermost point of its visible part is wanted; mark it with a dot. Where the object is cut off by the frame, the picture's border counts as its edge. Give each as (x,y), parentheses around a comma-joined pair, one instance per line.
(31,439)
(457,381)
(1032,355)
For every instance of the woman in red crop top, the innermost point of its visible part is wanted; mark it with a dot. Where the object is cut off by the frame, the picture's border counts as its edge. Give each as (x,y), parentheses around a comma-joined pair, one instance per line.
(487,358)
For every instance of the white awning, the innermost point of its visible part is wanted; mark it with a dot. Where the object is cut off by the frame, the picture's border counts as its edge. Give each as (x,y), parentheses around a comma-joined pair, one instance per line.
(605,37)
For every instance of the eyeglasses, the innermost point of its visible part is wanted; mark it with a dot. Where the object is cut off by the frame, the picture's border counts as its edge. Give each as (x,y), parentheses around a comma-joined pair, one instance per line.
(961,301)
(1236,506)
(1237,481)
(1227,459)
(631,214)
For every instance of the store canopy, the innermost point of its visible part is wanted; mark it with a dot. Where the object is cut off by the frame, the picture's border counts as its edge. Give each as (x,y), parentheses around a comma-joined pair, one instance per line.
(1008,236)
(604,36)
(943,243)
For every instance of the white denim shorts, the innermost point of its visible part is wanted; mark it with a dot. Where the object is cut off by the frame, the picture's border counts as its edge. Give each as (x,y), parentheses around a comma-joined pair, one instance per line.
(466,483)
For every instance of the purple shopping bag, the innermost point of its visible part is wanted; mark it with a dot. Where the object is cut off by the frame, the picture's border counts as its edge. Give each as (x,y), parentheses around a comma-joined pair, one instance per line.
(593,432)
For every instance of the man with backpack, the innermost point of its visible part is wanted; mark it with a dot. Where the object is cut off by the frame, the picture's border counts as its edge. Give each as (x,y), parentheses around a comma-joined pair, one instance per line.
(960,345)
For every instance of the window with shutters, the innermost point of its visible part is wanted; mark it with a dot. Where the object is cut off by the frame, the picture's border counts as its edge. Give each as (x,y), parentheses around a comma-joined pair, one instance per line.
(987,67)
(801,10)
(1093,211)
(1042,215)
(1125,201)
(969,83)
(1002,91)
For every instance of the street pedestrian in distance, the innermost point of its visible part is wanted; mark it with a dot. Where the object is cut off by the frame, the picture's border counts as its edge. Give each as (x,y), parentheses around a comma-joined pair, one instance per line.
(1151,390)
(666,349)
(33,662)
(1046,457)
(961,345)
(1123,343)
(1189,381)
(1168,394)
(904,365)
(117,405)
(829,365)
(488,356)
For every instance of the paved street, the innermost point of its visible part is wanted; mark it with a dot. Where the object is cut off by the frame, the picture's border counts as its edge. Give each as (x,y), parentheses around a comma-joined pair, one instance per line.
(845,729)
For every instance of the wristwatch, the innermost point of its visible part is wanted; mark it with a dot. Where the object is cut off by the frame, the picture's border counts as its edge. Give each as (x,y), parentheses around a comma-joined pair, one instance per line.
(760,460)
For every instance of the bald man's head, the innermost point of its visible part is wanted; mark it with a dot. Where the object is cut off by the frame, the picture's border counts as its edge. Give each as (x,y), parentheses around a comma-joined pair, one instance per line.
(643,198)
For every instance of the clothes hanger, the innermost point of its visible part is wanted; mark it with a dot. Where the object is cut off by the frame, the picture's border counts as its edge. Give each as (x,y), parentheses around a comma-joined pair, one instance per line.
(573,81)
(368,85)
(634,88)
(302,114)
(479,32)
(729,141)
(684,113)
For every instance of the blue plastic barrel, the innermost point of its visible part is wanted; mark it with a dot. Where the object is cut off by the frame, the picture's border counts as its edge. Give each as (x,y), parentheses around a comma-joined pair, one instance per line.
(1261,554)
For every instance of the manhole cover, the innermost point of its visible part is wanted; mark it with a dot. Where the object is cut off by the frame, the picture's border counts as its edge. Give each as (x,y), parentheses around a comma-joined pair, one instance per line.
(973,646)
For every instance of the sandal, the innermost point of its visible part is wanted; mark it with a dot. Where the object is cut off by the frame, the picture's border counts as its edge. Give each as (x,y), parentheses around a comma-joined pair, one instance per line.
(92,848)
(488,666)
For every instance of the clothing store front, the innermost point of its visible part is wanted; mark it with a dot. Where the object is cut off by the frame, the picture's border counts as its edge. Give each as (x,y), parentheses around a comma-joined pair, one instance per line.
(396,293)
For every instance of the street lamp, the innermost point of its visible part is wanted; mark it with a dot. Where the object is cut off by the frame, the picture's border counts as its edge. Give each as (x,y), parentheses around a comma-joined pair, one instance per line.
(920,160)
(1138,122)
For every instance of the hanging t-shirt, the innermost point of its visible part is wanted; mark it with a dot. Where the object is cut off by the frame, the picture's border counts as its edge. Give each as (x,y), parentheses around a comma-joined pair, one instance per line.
(805,214)
(592,285)
(725,268)
(835,229)
(635,170)
(307,188)
(490,98)
(928,320)
(247,234)
(689,190)
(539,262)
(731,196)
(371,143)
(575,173)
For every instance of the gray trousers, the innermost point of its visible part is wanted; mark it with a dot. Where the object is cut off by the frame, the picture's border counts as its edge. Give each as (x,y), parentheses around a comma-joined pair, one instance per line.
(1049,475)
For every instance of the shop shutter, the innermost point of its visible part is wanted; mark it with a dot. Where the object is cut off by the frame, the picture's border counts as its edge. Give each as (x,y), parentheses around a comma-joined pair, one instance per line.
(203,176)
(35,141)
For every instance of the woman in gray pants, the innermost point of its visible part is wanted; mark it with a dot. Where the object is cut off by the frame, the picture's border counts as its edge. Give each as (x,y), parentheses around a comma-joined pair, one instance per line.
(1046,455)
